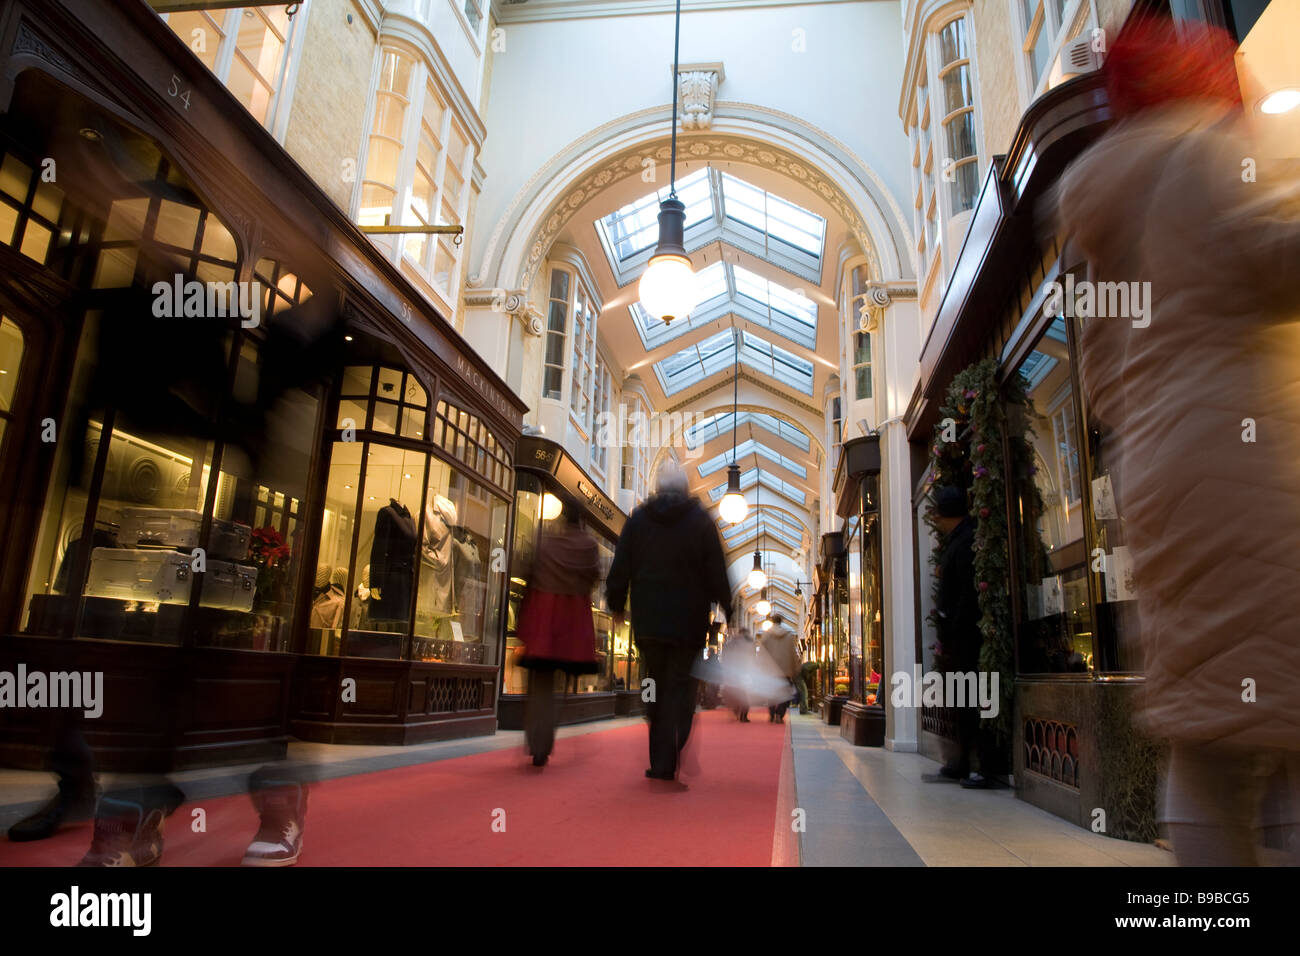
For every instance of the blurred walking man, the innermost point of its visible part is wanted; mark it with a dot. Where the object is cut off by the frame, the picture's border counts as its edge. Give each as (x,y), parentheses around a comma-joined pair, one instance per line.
(670,559)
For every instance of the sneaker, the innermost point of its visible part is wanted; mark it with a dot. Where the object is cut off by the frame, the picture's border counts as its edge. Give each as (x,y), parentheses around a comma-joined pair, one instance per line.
(69,804)
(129,830)
(283,808)
(976,781)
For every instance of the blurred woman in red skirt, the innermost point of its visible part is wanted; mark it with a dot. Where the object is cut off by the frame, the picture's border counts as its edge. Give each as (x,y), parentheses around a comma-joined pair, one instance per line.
(555,623)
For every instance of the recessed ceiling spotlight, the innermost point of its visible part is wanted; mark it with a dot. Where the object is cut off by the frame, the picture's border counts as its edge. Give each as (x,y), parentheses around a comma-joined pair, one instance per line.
(93,135)
(1280,101)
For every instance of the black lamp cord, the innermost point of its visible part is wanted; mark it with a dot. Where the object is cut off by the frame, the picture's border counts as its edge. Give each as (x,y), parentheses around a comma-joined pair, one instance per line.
(677,36)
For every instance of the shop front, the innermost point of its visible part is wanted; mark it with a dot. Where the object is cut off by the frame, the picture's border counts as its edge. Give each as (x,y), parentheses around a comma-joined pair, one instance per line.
(835,676)
(1071,627)
(255,482)
(856,486)
(546,473)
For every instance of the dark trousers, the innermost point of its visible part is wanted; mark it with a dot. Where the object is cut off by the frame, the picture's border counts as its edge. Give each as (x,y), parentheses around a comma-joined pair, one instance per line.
(974,746)
(540,712)
(777,711)
(672,707)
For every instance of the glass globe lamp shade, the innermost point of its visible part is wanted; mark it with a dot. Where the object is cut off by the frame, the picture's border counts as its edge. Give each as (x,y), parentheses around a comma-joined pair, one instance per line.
(763,607)
(757,577)
(733,508)
(668,287)
(767,625)
(551,507)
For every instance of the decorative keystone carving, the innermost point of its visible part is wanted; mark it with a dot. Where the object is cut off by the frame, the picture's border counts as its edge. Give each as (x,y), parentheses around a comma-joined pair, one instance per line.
(697,89)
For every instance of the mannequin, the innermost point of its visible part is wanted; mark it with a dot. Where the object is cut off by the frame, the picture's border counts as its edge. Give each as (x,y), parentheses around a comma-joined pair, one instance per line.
(470,588)
(437,568)
(392,561)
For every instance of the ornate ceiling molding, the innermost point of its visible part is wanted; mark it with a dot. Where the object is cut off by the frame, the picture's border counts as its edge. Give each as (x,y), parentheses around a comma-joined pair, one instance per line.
(707,147)
(550,189)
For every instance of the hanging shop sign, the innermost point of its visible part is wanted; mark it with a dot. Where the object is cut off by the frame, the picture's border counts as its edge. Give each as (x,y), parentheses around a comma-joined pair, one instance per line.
(549,458)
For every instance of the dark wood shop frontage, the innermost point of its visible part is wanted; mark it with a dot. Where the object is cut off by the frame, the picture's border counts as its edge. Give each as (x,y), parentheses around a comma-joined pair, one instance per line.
(295,521)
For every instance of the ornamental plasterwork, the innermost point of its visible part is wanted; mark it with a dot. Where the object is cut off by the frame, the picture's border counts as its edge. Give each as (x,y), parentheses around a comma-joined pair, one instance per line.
(878,297)
(697,88)
(513,303)
(704,148)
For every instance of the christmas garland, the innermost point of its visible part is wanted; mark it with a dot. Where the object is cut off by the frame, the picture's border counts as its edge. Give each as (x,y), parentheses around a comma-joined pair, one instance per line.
(967,452)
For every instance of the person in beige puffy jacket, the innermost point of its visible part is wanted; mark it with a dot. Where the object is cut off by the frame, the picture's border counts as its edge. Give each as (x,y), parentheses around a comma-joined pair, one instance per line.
(1203,399)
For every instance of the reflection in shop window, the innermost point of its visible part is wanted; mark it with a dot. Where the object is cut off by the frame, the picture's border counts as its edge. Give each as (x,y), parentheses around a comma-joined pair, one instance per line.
(247,49)
(1057,630)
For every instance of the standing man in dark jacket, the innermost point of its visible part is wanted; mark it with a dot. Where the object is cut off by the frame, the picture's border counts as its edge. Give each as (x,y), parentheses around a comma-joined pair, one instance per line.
(670,557)
(958,621)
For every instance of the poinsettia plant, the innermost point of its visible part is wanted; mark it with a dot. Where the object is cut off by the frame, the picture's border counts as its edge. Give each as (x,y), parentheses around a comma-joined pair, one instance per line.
(270,552)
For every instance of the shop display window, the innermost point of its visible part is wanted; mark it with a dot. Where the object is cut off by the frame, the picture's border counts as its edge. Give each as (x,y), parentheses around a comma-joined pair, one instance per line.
(411,549)
(1056,619)
(1112,565)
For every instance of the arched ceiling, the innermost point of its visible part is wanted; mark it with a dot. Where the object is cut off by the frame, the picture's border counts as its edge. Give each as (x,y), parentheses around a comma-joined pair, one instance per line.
(781,467)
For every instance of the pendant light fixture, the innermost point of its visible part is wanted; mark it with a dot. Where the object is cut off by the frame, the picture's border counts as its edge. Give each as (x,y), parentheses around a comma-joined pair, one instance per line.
(758,577)
(764,606)
(733,507)
(668,287)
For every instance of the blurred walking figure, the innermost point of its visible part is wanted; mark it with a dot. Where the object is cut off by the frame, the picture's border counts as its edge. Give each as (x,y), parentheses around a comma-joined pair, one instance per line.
(1204,404)
(778,655)
(555,623)
(670,559)
(807,680)
(739,659)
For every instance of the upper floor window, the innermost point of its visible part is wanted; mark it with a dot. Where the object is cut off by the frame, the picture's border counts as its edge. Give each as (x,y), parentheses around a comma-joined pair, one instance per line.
(583,369)
(474,13)
(862,365)
(958,111)
(600,406)
(417,164)
(557,324)
(247,49)
(925,202)
(1044,21)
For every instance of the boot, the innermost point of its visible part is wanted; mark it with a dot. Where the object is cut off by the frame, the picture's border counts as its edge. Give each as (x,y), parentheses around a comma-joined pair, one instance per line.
(282,806)
(74,801)
(129,827)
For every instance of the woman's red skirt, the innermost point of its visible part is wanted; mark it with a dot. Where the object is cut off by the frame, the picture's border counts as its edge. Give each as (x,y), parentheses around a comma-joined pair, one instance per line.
(557,631)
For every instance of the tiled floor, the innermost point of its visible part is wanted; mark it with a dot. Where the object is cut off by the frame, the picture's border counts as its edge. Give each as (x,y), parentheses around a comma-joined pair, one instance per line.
(861,806)
(944,825)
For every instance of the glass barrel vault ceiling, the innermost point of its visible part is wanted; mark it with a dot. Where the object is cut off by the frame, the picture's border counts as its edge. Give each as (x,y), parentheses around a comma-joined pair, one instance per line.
(769,481)
(697,362)
(719,206)
(747,447)
(717,426)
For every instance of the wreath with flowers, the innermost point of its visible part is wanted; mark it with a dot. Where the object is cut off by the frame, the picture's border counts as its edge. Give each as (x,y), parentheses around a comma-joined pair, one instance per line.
(967,452)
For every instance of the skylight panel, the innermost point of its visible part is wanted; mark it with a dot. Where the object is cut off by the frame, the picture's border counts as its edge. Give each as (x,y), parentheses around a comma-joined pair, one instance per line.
(635,227)
(696,362)
(718,425)
(769,481)
(747,447)
(782,310)
(775,361)
(773,216)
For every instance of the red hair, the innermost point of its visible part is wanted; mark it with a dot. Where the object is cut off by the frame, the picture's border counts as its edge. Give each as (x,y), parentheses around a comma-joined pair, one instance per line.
(1151,63)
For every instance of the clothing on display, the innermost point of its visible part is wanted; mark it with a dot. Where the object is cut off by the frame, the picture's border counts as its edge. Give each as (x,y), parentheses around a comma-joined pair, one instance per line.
(437,562)
(470,587)
(392,562)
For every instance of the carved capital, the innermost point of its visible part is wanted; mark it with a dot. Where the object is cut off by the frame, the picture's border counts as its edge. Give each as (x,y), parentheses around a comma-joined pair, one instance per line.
(697,89)
(876,300)
(510,302)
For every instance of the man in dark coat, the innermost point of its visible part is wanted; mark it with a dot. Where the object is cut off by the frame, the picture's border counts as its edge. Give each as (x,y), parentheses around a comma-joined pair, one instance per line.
(670,557)
(958,628)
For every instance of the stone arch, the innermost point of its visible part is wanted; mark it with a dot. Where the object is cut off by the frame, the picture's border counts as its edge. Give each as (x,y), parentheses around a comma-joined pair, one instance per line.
(740,132)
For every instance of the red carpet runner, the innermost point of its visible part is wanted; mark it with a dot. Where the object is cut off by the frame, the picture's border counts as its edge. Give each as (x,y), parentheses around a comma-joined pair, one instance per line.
(590,806)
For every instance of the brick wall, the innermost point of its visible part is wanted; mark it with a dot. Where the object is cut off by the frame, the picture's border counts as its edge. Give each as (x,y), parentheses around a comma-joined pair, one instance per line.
(329,101)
